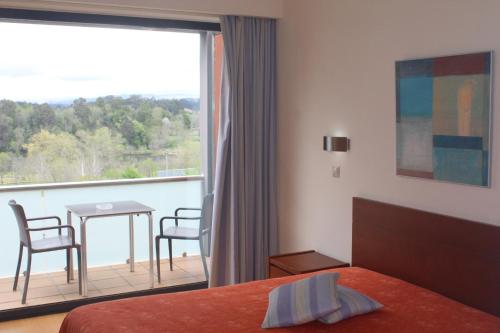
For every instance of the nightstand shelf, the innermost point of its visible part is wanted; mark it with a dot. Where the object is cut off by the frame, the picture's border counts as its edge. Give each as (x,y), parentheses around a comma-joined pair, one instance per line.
(300,263)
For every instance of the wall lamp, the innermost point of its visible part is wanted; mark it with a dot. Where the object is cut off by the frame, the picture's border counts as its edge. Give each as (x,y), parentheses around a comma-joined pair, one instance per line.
(336,143)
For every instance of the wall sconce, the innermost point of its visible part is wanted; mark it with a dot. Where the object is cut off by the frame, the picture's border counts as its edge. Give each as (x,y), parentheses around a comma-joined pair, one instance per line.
(335,143)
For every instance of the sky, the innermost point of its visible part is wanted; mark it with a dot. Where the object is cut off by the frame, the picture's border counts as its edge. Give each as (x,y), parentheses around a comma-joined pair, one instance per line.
(51,63)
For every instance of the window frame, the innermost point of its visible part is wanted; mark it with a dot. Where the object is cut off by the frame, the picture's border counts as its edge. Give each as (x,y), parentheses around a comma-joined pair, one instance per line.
(206,31)
(105,20)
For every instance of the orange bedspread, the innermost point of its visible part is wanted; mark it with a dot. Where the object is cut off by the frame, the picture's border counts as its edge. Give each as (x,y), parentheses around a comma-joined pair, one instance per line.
(241,308)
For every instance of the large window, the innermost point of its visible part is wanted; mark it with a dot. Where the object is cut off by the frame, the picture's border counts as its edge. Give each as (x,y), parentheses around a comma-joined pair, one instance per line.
(85,99)
(80,103)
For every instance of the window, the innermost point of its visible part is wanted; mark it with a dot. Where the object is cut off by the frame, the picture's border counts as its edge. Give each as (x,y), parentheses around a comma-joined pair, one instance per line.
(89,98)
(85,103)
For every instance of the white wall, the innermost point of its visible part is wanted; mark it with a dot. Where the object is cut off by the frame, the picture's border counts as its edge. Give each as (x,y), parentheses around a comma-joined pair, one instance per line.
(336,76)
(157,8)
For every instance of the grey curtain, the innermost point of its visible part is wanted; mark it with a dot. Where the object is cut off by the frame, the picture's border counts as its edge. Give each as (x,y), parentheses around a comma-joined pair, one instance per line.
(244,230)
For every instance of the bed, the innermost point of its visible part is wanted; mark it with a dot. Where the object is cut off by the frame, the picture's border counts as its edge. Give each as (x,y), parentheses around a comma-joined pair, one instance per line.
(433,273)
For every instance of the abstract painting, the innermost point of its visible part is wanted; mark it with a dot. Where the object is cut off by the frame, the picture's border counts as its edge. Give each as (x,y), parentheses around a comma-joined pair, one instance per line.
(443,110)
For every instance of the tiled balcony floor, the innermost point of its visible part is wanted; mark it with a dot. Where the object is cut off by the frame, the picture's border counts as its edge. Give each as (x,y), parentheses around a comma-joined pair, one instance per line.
(105,280)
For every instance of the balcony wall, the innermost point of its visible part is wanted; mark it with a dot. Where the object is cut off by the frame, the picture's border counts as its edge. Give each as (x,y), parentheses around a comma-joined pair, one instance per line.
(107,238)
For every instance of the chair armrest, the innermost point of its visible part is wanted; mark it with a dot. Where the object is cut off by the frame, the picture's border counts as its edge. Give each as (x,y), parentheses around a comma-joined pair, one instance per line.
(185,209)
(45,218)
(176,218)
(69,227)
(180,209)
(180,218)
(59,222)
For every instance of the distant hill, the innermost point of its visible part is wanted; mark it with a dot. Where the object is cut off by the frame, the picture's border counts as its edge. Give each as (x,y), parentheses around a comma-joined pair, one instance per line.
(69,101)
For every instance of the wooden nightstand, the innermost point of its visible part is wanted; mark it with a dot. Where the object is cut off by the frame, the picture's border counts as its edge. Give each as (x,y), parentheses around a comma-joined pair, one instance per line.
(301,262)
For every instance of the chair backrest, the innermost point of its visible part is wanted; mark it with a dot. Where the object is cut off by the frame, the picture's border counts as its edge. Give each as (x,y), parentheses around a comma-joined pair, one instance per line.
(206,214)
(205,234)
(22,223)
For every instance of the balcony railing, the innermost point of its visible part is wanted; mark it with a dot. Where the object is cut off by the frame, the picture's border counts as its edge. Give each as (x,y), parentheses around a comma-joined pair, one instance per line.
(107,239)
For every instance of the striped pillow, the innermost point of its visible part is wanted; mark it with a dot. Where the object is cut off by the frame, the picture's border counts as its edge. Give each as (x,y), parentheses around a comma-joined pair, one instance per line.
(302,301)
(353,303)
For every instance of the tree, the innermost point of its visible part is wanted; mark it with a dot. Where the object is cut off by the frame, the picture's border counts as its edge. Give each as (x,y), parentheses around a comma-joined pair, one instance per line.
(66,120)
(83,113)
(8,108)
(5,165)
(101,150)
(54,156)
(186,117)
(42,117)
(134,132)
(17,143)
(6,132)
(188,155)
(111,137)
(131,173)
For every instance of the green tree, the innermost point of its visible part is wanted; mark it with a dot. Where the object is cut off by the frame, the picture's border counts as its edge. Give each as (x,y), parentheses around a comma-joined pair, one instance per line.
(188,156)
(66,120)
(5,165)
(6,132)
(17,143)
(101,149)
(134,132)
(8,108)
(110,137)
(42,117)
(131,173)
(54,157)
(186,117)
(83,113)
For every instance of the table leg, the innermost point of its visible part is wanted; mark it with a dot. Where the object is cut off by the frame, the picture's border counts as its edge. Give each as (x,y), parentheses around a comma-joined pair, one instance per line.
(151,262)
(71,270)
(83,237)
(131,243)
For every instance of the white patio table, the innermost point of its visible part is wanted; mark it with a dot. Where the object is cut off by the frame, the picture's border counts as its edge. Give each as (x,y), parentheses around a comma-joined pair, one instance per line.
(107,209)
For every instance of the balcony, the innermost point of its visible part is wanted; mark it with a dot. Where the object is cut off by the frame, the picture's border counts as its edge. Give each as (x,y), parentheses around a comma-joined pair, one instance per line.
(107,240)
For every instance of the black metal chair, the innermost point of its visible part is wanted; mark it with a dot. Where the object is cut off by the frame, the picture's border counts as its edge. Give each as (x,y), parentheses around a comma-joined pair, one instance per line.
(60,242)
(188,233)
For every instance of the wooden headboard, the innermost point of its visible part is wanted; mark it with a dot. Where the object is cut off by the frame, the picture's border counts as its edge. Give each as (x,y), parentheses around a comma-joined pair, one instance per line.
(457,258)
